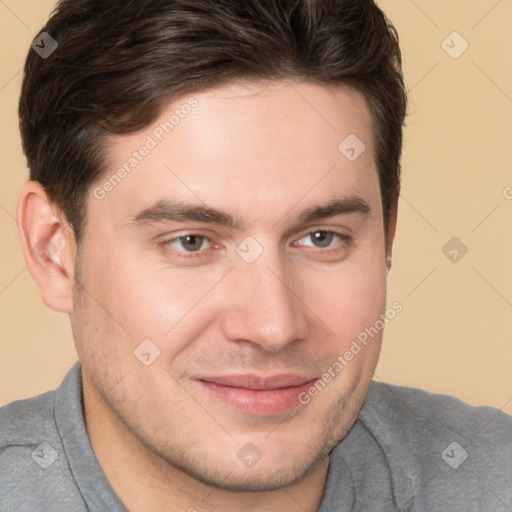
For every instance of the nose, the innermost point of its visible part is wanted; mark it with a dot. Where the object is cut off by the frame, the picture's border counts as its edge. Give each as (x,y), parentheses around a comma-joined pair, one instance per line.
(263,307)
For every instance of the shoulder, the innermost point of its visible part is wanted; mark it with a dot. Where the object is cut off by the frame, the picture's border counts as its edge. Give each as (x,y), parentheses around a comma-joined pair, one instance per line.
(23,421)
(447,449)
(33,467)
(394,403)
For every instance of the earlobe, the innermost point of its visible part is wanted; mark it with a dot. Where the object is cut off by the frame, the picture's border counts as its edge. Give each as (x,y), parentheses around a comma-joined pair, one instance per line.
(48,246)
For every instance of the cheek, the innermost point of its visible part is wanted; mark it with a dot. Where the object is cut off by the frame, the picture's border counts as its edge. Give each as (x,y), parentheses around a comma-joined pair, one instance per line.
(169,306)
(348,297)
(367,297)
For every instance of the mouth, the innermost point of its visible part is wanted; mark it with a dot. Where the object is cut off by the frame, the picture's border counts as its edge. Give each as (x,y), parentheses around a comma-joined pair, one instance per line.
(256,395)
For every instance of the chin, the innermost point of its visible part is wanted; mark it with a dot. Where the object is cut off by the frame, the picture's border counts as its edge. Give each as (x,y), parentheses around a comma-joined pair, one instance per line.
(271,469)
(263,477)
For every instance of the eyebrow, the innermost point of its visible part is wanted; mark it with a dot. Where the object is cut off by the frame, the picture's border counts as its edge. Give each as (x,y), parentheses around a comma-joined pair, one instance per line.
(349,205)
(170,211)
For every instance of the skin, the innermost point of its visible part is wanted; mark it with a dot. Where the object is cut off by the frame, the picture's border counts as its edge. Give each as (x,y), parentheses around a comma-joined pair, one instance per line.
(263,154)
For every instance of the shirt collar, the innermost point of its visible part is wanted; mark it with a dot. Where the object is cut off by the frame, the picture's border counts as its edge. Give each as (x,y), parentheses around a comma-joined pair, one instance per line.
(69,417)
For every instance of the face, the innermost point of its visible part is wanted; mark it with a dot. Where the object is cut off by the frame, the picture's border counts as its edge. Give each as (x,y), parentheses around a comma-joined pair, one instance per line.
(225,275)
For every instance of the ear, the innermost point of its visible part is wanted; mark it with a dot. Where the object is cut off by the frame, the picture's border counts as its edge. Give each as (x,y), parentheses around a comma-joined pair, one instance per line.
(48,246)
(392,218)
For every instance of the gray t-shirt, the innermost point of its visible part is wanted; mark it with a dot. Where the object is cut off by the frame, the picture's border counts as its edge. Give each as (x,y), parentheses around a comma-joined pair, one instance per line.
(409,450)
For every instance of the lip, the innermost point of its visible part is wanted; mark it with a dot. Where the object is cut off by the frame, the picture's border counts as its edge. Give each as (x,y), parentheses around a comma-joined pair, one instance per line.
(257,395)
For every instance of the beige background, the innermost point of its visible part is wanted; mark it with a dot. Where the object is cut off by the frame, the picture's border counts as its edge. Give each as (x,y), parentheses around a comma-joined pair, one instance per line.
(454,333)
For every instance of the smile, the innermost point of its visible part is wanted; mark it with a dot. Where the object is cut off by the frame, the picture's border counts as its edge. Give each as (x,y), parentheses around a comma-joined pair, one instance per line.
(258,396)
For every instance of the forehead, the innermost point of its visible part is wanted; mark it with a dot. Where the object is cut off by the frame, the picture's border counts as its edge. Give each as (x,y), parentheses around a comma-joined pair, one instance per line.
(254,146)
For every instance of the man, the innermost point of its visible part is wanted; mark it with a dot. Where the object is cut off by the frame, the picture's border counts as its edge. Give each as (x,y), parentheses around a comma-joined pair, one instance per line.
(213,201)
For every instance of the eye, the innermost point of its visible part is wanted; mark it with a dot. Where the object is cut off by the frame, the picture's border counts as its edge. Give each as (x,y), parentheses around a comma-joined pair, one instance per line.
(190,243)
(321,238)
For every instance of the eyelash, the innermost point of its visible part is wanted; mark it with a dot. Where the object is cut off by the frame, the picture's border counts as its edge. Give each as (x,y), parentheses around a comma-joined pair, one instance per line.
(327,232)
(188,254)
(345,240)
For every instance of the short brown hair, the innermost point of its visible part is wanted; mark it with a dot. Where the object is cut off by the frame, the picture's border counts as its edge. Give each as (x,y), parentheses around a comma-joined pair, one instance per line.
(119,63)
